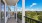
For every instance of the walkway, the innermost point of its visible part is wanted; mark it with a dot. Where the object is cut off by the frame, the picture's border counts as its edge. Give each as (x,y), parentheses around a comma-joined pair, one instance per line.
(11,20)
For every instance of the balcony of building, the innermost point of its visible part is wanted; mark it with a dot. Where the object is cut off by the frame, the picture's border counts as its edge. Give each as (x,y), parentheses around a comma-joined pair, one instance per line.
(14,17)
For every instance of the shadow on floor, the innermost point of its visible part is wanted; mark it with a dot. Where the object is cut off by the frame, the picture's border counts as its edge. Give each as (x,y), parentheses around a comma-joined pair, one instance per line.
(11,20)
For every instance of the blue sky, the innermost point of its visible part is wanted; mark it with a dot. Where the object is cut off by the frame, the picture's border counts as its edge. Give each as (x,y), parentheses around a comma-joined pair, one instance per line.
(36,7)
(30,5)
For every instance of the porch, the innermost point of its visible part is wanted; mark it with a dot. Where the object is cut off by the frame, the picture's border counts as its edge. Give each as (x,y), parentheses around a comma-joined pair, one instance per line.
(11,20)
(16,19)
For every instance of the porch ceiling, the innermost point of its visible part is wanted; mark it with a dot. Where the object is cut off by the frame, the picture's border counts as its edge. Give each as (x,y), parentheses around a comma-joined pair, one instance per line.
(11,2)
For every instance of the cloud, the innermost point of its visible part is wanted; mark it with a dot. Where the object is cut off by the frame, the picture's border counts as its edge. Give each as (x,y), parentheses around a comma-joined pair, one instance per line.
(21,9)
(33,4)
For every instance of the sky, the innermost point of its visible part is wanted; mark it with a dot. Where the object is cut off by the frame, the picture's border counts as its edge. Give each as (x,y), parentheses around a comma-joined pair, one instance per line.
(30,5)
(33,5)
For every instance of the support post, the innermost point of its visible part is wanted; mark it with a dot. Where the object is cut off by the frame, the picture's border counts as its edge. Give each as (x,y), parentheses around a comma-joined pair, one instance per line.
(9,11)
(23,11)
(16,11)
(5,12)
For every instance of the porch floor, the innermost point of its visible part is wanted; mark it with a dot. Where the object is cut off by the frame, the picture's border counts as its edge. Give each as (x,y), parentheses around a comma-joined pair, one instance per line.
(11,20)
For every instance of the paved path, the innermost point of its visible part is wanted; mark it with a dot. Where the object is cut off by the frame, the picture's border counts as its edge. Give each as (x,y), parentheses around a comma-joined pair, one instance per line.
(11,20)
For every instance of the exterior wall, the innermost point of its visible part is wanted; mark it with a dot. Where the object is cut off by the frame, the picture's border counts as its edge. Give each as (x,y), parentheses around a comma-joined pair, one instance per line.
(0,11)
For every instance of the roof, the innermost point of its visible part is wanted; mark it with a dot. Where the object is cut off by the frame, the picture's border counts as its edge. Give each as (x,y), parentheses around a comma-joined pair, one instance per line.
(11,2)
(2,2)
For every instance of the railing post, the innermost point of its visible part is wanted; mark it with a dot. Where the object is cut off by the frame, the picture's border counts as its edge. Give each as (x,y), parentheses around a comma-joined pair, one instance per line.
(23,11)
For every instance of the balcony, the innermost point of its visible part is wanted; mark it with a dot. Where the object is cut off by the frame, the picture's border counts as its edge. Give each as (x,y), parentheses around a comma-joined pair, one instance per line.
(28,20)
(18,18)
(11,20)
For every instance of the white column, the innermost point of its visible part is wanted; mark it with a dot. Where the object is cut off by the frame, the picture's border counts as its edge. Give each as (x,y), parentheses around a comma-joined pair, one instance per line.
(16,11)
(9,11)
(5,12)
(23,11)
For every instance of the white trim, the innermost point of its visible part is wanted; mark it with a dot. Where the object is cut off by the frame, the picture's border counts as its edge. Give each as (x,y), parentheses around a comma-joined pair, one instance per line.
(23,11)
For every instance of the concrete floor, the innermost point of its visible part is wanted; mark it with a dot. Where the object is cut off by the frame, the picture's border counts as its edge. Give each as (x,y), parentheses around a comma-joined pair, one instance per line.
(2,20)
(11,20)
(19,21)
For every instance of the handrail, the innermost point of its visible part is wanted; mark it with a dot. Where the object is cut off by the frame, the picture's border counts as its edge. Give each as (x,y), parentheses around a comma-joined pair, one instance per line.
(31,20)
(20,17)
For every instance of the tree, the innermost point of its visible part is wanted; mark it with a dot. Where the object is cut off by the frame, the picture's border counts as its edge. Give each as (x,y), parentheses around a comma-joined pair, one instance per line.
(19,15)
(32,14)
